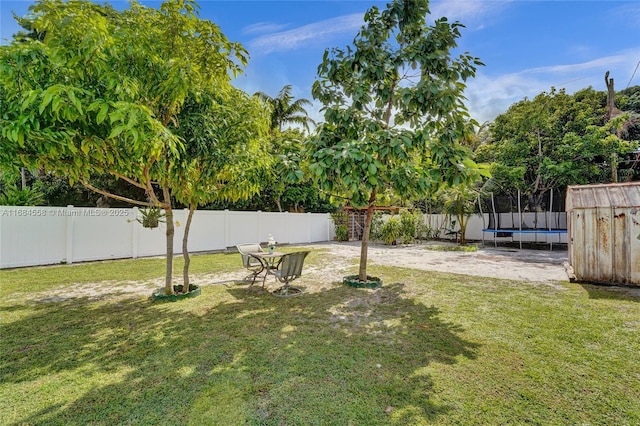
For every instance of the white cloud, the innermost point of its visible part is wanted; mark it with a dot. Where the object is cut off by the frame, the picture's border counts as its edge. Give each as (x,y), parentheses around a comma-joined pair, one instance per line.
(627,13)
(316,32)
(469,12)
(489,96)
(599,63)
(263,27)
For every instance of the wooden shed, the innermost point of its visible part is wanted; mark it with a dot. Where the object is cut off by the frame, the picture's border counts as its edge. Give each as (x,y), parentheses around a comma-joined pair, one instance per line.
(603,225)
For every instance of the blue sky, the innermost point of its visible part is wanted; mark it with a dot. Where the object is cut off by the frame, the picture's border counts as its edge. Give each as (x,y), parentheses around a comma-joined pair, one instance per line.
(527,46)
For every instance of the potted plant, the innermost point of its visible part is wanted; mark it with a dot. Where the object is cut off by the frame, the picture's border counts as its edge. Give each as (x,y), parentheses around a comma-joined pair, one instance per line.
(151,217)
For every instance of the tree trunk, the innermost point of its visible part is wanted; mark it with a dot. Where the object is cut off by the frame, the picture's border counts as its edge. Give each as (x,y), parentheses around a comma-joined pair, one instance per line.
(364,248)
(611,96)
(185,251)
(462,220)
(538,180)
(168,283)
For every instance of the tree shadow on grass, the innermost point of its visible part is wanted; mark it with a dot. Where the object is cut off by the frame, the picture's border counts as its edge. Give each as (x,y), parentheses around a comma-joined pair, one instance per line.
(612,292)
(232,357)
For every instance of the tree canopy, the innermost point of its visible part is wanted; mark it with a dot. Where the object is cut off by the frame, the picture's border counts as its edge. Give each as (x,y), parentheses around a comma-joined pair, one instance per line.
(553,140)
(394,111)
(285,110)
(90,89)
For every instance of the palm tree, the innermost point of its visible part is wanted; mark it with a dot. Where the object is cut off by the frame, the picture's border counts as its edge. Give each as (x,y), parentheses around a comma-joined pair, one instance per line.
(284,110)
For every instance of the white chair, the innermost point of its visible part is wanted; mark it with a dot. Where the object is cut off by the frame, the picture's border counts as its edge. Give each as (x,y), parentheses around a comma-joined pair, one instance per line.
(249,262)
(289,269)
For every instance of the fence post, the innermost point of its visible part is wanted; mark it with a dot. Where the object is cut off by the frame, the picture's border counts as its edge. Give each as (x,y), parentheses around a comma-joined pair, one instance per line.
(259,227)
(134,234)
(69,222)
(226,228)
(287,228)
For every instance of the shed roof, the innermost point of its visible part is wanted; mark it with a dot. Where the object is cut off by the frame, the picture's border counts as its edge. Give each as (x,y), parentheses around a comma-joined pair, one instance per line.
(605,195)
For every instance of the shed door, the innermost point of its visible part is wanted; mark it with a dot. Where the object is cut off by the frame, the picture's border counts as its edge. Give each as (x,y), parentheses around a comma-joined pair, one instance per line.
(591,246)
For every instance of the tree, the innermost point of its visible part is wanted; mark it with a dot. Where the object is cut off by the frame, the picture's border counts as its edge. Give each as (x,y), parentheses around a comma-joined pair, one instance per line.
(286,143)
(286,167)
(394,111)
(629,99)
(284,110)
(552,141)
(459,201)
(90,89)
(223,133)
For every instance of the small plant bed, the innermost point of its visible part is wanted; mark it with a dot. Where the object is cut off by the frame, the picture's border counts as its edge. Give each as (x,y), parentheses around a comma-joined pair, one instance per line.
(160,295)
(354,281)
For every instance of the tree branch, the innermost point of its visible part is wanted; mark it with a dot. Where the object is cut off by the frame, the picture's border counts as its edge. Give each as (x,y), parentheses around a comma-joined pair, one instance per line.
(334,195)
(387,115)
(114,196)
(126,179)
(150,192)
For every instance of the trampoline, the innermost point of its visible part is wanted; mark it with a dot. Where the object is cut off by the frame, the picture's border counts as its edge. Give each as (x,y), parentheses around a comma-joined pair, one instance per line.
(538,215)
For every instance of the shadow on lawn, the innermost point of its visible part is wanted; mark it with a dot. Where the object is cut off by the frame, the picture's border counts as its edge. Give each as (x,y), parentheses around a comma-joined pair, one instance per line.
(337,357)
(612,292)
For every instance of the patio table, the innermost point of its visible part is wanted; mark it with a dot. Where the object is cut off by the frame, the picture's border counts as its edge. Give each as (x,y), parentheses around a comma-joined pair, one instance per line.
(268,262)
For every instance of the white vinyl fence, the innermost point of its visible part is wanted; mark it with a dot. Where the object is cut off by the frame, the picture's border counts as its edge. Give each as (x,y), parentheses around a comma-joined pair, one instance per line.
(49,235)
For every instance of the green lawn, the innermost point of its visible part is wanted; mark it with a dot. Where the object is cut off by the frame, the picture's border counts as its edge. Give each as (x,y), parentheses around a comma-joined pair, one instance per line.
(426,348)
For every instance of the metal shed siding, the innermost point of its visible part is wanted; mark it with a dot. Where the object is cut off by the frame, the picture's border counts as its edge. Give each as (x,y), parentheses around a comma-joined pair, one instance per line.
(604,232)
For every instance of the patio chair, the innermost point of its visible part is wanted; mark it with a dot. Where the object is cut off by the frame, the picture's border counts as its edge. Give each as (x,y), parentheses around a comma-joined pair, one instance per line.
(289,269)
(249,262)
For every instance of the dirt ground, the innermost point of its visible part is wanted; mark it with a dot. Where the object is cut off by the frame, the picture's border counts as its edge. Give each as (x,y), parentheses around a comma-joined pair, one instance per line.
(543,266)
(538,266)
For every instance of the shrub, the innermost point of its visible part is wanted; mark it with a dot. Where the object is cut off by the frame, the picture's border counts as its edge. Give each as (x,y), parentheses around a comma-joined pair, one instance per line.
(391,230)
(342,233)
(408,226)
(341,221)
(12,196)
(376,226)
(424,231)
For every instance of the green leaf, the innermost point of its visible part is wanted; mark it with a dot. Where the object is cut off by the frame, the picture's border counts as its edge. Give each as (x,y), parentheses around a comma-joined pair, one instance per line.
(30,99)
(102,114)
(45,101)
(116,132)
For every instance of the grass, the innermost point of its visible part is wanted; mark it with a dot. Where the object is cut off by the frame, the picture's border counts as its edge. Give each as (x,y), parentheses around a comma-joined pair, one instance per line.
(426,348)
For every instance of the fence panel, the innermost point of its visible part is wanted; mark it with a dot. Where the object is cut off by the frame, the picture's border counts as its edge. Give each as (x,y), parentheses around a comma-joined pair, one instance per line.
(242,227)
(110,240)
(207,230)
(32,236)
(47,235)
